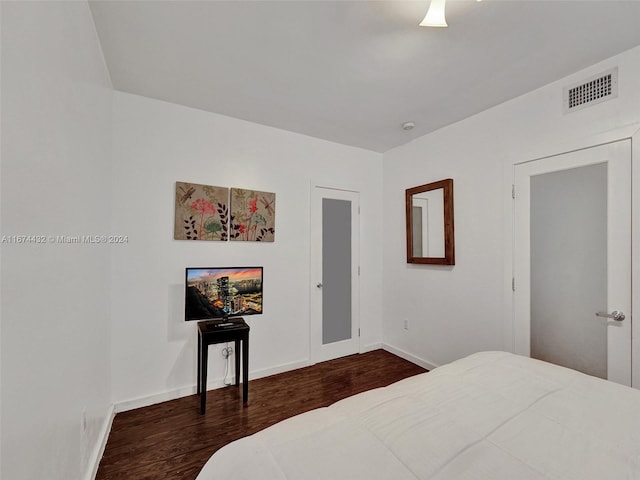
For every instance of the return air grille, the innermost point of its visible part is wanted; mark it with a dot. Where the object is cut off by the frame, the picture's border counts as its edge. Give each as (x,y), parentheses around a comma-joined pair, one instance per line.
(594,90)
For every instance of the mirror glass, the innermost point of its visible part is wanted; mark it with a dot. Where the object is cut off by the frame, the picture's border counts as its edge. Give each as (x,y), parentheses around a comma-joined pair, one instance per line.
(430,223)
(427,210)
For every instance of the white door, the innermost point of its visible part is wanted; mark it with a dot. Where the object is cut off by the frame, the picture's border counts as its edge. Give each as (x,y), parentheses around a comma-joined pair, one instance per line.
(334,273)
(572,260)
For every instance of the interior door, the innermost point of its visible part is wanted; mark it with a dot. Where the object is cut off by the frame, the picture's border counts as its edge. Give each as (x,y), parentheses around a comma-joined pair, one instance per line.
(334,274)
(572,260)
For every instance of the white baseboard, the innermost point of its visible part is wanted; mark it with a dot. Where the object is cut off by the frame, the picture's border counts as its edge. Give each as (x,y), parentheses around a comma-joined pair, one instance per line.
(148,400)
(98,451)
(371,347)
(212,384)
(409,357)
(280,369)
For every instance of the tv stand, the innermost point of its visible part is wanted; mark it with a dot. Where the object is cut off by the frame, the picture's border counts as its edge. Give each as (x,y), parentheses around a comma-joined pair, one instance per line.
(231,329)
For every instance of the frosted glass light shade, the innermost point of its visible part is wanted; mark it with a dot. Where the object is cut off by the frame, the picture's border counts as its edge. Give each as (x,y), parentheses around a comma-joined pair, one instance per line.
(435,15)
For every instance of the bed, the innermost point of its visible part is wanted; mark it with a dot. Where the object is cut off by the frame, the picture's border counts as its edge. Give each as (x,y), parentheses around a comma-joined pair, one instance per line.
(489,416)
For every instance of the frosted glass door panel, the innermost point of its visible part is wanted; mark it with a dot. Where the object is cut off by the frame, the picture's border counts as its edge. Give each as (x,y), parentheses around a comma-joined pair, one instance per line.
(569,268)
(334,287)
(572,260)
(336,270)
(417,234)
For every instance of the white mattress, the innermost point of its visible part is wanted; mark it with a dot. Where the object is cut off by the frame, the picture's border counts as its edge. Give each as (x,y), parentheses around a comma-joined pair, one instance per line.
(489,416)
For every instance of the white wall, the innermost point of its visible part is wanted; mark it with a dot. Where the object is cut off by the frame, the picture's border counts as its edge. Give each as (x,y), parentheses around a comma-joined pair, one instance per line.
(157,144)
(85,326)
(454,311)
(56,130)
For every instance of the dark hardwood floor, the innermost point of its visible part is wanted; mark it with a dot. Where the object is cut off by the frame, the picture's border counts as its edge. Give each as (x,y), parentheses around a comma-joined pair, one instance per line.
(172,440)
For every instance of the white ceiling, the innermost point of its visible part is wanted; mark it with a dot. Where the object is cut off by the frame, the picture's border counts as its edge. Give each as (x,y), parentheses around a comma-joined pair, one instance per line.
(353,71)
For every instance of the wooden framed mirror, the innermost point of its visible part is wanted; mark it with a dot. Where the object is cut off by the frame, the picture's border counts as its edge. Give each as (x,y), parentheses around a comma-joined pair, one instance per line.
(429,210)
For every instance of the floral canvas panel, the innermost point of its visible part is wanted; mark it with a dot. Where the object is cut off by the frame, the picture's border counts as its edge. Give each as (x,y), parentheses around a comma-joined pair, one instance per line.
(202,212)
(253,216)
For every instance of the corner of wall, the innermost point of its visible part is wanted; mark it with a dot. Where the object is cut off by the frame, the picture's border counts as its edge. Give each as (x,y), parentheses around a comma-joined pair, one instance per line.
(93,462)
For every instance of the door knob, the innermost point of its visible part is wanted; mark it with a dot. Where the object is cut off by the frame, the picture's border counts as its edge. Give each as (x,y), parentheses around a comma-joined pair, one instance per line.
(319,285)
(615,315)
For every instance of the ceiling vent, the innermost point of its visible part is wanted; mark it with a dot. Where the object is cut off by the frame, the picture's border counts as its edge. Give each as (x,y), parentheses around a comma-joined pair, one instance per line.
(597,89)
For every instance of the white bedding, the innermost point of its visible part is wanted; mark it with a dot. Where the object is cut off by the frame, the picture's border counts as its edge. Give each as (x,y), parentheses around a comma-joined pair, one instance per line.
(489,416)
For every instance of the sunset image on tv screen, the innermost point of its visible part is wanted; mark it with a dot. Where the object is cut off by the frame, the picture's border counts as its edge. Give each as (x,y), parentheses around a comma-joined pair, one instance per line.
(223,292)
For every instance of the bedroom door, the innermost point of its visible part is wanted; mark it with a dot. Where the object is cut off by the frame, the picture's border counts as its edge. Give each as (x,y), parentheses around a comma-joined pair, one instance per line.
(334,273)
(572,260)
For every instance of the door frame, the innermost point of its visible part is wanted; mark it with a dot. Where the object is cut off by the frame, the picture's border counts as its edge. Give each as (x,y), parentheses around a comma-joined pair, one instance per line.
(316,353)
(618,155)
(631,132)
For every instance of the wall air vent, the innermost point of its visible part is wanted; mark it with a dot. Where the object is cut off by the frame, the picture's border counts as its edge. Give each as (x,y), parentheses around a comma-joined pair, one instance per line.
(599,88)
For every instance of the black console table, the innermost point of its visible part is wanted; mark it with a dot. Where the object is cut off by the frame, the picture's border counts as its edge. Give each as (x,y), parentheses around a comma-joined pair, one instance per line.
(235,329)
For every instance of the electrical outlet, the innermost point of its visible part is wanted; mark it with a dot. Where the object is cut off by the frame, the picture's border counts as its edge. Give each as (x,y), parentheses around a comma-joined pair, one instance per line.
(406,324)
(227,351)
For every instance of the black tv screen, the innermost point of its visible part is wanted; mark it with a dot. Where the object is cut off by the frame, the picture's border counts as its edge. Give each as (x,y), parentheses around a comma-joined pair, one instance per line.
(222,292)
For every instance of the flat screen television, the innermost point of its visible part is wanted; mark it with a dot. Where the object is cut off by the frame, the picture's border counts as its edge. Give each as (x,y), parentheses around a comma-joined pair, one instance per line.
(222,292)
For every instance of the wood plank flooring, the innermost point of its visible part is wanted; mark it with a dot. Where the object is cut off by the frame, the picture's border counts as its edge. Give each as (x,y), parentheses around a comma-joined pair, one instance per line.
(172,440)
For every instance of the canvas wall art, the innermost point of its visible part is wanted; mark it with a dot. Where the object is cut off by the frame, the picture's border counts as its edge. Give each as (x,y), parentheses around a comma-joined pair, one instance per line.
(253,216)
(202,212)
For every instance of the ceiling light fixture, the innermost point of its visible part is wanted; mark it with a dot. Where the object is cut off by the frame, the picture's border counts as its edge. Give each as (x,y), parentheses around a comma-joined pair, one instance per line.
(435,15)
